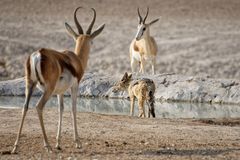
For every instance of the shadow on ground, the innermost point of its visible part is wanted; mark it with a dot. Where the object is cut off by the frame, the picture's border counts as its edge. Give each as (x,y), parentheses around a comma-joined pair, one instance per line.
(185,152)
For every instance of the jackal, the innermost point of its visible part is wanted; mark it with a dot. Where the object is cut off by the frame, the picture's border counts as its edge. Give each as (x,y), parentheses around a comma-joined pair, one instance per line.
(143,89)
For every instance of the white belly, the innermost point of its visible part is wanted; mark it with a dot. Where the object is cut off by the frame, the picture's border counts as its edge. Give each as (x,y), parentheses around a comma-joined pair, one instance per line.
(65,81)
(136,55)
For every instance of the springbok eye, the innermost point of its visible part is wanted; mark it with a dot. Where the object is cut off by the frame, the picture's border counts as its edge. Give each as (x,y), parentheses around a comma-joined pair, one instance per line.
(144,29)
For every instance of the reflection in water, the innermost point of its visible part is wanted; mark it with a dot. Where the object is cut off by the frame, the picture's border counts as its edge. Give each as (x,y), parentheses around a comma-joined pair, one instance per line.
(122,107)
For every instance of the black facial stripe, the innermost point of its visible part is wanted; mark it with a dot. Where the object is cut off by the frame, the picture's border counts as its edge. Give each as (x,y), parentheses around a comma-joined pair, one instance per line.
(142,32)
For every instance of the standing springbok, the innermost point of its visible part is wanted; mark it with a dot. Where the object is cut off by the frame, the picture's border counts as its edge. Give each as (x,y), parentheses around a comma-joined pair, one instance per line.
(143,48)
(54,72)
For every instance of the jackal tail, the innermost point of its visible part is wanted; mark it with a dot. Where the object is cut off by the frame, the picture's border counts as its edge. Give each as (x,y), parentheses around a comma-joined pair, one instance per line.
(151,101)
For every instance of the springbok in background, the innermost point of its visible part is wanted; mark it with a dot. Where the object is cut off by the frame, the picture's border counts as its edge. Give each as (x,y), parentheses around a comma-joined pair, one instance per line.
(54,72)
(143,47)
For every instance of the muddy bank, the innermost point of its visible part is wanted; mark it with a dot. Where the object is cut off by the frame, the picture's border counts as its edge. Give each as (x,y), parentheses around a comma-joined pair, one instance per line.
(170,87)
(120,137)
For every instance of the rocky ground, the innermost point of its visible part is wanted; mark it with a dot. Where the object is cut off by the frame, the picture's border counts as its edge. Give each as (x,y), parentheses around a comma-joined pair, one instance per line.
(121,137)
(194,37)
(169,87)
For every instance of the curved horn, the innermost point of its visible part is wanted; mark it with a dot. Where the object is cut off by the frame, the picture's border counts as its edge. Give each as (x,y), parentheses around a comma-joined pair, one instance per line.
(92,23)
(80,30)
(140,18)
(146,15)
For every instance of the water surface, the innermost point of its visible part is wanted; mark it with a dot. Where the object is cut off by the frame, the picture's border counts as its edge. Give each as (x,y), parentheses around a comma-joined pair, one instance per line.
(122,107)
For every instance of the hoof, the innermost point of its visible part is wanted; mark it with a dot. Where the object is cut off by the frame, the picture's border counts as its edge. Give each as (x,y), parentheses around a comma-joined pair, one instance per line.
(14,150)
(78,145)
(49,149)
(58,147)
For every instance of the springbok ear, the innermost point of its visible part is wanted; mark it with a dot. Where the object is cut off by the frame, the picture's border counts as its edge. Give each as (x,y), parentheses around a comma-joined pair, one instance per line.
(154,21)
(70,31)
(98,31)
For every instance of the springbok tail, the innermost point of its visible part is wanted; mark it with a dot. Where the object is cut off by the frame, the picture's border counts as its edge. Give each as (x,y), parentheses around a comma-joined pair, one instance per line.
(35,65)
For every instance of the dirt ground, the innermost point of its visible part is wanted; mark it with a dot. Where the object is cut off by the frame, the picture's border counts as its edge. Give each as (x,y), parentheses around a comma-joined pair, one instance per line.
(121,137)
(193,37)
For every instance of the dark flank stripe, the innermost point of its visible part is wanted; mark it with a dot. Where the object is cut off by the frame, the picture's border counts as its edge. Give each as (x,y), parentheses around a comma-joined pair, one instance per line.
(66,60)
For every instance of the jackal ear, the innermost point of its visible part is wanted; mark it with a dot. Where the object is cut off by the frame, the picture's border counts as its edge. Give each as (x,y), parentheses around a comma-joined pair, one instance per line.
(125,76)
(154,21)
(129,76)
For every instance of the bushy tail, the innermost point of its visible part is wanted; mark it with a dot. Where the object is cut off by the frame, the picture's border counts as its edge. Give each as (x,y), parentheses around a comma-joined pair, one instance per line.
(151,101)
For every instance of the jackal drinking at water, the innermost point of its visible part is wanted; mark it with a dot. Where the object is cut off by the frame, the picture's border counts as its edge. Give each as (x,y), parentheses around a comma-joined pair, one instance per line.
(143,89)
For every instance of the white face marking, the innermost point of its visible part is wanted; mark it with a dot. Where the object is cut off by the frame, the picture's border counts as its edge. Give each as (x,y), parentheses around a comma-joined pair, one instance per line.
(141,31)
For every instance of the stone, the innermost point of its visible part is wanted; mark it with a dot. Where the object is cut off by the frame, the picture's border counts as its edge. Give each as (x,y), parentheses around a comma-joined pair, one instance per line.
(169,87)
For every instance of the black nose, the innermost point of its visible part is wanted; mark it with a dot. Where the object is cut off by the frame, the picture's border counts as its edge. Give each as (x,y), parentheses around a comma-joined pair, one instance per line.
(114,90)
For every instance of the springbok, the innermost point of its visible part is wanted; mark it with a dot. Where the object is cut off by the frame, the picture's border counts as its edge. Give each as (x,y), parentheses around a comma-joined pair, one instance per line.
(143,47)
(54,72)
(143,89)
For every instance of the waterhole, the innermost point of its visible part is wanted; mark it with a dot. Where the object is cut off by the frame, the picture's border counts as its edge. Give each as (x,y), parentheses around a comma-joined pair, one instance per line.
(122,107)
